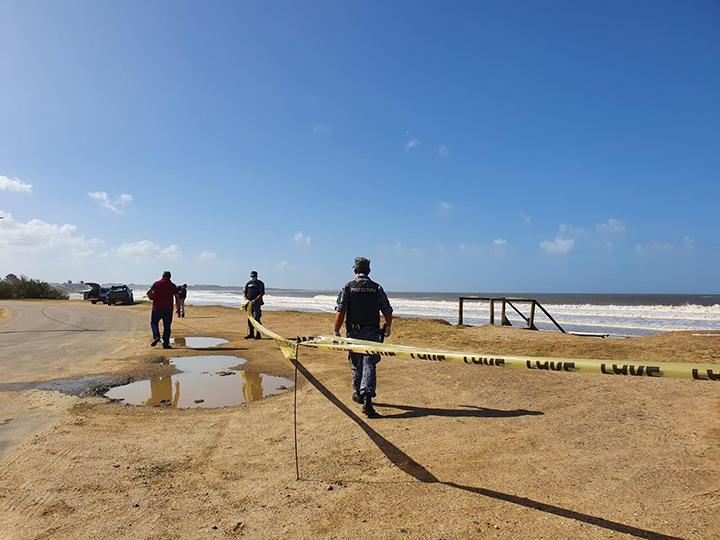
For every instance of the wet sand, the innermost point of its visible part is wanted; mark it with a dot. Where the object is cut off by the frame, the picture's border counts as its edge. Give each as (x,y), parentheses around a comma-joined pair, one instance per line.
(461,451)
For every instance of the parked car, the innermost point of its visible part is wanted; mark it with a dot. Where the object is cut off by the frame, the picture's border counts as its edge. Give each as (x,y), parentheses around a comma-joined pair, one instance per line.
(120,294)
(96,293)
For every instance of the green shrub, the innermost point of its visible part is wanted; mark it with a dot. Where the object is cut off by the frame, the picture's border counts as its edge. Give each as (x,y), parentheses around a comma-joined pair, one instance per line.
(29,288)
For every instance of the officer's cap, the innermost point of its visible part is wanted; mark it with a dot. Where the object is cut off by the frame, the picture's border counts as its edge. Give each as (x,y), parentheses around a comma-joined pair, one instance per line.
(362,265)
(253,274)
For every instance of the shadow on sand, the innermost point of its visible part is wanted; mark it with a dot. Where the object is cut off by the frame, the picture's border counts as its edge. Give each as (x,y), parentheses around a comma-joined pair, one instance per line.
(411,467)
(211,349)
(51,331)
(470,411)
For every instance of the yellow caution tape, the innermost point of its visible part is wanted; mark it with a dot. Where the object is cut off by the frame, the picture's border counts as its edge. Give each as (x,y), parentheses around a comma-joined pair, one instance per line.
(287,347)
(677,370)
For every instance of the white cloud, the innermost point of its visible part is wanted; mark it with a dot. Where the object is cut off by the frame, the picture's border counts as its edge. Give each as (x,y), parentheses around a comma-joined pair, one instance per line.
(14,184)
(302,239)
(171,252)
(281,265)
(687,244)
(399,247)
(612,226)
(145,249)
(36,235)
(559,246)
(207,256)
(106,202)
(470,248)
(443,208)
(499,242)
(572,231)
(443,151)
(654,247)
(412,143)
(322,128)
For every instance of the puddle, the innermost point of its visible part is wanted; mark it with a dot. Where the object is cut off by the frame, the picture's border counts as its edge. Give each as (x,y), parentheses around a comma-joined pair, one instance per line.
(205,381)
(198,342)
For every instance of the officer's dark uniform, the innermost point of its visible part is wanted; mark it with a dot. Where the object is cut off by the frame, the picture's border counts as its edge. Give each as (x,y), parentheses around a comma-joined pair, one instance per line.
(253,289)
(362,300)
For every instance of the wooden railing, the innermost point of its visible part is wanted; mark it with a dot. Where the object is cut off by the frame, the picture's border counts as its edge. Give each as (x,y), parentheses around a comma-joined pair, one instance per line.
(504,303)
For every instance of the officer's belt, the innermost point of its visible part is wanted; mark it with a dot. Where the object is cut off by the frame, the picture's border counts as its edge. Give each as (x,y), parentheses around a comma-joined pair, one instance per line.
(358,326)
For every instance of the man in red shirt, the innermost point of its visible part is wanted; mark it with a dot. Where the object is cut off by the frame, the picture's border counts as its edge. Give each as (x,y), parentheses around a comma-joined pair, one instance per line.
(162,293)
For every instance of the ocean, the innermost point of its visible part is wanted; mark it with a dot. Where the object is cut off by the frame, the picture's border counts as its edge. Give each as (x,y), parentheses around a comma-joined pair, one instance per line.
(614,314)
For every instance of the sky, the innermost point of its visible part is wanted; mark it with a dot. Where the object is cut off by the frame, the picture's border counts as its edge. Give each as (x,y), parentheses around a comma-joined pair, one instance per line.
(538,146)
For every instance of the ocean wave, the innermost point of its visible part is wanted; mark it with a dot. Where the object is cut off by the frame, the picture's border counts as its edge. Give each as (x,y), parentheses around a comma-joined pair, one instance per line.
(621,318)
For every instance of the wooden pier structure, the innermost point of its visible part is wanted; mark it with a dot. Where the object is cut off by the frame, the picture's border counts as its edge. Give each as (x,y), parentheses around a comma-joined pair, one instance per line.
(504,303)
(529,320)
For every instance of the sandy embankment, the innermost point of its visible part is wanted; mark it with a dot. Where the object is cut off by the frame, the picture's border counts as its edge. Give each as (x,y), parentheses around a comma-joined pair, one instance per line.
(462,451)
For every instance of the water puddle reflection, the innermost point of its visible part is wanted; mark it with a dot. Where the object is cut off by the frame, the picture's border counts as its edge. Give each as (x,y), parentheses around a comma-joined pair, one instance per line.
(205,381)
(198,342)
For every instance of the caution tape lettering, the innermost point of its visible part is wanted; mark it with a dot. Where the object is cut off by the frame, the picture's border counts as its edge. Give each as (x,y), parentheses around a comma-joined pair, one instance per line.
(431,357)
(708,375)
(484,361)
(551,365)
(629,369)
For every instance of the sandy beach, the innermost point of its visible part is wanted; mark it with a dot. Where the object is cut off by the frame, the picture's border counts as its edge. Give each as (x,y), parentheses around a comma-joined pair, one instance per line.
(460,451)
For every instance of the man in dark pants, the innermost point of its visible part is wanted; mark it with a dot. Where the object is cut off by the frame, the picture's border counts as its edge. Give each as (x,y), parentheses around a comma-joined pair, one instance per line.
(162,293)
(359,305)
(254,292)
(182,295)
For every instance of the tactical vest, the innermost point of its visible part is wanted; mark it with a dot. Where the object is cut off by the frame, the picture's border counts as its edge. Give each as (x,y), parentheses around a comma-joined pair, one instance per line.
(252,289)
(363,308)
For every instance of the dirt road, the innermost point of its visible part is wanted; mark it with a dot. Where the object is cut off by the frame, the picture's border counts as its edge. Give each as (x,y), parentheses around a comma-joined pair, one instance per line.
(460,451)
(47,340)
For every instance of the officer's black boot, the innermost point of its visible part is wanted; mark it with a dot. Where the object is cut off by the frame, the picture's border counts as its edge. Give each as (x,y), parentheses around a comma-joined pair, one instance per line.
(356,398)
(368,409)
(251,333)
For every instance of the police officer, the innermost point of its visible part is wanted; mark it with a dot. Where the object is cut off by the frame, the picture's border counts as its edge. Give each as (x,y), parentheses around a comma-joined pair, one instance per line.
(254,292)
(359,305)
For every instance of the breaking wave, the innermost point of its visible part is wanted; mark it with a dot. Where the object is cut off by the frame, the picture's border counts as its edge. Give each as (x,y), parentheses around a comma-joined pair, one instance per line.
(613,319)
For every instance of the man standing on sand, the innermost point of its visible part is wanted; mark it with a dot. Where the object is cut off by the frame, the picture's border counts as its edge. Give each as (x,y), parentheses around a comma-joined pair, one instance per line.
(359,305)
(162,293)
(182,295)
(254,292)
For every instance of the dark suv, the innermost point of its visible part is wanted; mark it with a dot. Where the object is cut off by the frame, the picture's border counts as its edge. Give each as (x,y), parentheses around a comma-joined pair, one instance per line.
(119,294)
(96,293)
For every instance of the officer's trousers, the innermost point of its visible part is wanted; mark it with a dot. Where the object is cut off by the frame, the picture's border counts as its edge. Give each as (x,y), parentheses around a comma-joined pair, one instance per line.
(364,379)
(256,314)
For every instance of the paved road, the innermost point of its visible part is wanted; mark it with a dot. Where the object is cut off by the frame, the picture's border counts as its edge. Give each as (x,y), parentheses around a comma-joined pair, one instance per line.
(48,340)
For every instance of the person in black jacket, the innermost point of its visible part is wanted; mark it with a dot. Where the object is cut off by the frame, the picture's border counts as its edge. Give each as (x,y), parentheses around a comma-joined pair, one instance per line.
(254,292)
(182,295)
(359,305)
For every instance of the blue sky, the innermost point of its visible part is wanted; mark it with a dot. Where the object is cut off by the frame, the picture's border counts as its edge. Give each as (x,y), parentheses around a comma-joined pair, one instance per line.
(479,146)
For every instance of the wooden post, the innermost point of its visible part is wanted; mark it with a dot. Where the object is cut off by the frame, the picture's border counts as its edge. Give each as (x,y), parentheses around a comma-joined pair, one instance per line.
(460,311)
(531,321)
(518,311)
(492,311)
(551,318)
(503,318)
